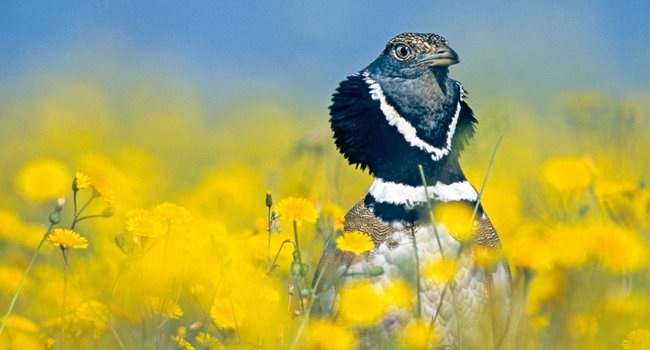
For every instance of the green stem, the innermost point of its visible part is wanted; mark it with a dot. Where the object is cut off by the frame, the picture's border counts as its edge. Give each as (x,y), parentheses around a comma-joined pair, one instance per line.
(487,175)
(65,294)
(22,279)
(295,237)
(418,312)
(310,305)
(430,210)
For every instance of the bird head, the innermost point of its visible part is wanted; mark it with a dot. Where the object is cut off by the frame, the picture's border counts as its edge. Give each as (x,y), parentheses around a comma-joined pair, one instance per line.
(402,110)
(409,55)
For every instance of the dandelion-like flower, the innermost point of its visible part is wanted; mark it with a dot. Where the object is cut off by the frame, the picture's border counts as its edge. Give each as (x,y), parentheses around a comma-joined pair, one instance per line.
(418,335)
(362,305)
(182,344)
(354,242)
(67,239)
(208,341)
(327,335)
(81,181)
(142,223)
(569,173)
(297,209)
(165,307)
(441,271)
(227,314)
(172,213)
(638,339)
(457,218)
(43,179)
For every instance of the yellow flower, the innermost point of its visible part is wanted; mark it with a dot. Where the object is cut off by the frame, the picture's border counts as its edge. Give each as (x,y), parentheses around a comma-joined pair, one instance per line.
(142,223)
(361,304)
(172,213)
(569,173)
(399,293)
(638,339)
(208,341)
(331,210)
(227,314)
(327,335)
(165,307)
(457,218)
(418,335)
(182,344)
(486,257)
(42,180)
(339,223)
(297,209)
(81,181)
(94,313)
(67,239)
(583,325)
(440,271)
(620,249)
(354,242)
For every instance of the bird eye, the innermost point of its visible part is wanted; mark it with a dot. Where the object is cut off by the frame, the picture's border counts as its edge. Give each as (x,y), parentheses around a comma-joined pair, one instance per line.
(402,51)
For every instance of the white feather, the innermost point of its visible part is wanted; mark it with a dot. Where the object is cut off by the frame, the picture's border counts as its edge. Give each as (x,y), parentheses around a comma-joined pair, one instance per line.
(396,193)
(404,127)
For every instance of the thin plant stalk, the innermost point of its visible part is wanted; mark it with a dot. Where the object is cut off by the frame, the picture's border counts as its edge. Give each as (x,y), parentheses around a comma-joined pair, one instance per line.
(310,305)
(418,312)
(487,175)
(23,278)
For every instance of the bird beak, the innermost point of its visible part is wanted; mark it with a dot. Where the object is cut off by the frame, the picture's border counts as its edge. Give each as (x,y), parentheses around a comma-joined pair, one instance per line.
(442,57)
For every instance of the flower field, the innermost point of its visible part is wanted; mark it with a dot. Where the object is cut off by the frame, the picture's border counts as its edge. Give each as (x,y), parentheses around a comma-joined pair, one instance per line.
(142,218)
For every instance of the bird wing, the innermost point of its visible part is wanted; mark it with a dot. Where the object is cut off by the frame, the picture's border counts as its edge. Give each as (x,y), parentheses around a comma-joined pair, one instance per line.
(334,263)
(499,283)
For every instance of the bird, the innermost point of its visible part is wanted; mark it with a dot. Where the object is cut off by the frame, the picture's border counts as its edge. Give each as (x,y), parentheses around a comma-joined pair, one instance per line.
(400,114)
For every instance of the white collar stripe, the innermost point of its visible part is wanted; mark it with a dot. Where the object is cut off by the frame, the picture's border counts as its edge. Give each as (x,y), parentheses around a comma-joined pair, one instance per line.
(404,127)
(396,193)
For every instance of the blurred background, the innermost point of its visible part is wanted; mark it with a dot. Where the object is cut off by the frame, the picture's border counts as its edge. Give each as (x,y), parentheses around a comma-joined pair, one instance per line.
(209,104)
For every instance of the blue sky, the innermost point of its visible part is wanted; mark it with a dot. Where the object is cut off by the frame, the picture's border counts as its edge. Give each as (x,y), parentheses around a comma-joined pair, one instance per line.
(518,48)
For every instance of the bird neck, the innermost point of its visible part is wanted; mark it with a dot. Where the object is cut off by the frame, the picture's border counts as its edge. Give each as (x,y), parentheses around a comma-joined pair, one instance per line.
(404,200)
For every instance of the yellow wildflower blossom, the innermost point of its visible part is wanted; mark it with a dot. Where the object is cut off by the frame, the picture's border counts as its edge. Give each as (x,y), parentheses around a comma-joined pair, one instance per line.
(399,294)
(569,173)
(638,339)
(142,223)
(172,213)
(620,249)
(81,181)
(67,239)
(339,223)
(440,271)
(226,313)
(208,341)
(325,335)
(182,344)
(485,256)
(95,314)
(457,219)
(297,209)
(418,335)
(165,307)
(361,304)
(354,242)
(42,180)
(583,325)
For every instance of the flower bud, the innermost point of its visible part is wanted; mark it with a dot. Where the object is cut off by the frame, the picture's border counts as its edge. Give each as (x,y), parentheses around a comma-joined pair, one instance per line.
(269,199)
(295,269)
(108,212)
(304,268)
(119,240)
